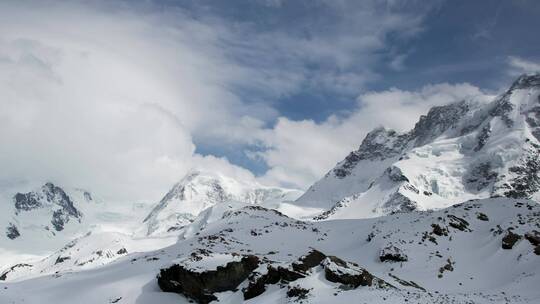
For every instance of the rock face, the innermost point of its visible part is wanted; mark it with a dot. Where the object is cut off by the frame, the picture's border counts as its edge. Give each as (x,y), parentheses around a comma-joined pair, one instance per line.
(50,201)
(510,239)
(12,232)
(198,191)
(392,254)
(349,274)
(475,148)
(201,286)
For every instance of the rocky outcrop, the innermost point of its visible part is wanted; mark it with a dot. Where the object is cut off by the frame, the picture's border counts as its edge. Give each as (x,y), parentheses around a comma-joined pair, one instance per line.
(392,254)
(201,286)
(349,274)
(533,237)
(12,232)
(48,196)
(510,239)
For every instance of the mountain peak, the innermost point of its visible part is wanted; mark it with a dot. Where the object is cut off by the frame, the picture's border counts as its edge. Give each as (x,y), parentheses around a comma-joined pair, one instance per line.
(526,81)
(199,190)
(463,150)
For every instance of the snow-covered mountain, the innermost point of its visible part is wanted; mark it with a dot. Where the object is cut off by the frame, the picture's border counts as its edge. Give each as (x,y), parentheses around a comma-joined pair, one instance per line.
(445,213)
(470,149)
(48,208)
(483,251)
(37,220)
(200,190)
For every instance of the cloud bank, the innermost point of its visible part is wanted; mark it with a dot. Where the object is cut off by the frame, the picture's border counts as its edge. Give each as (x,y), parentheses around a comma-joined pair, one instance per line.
(111,96)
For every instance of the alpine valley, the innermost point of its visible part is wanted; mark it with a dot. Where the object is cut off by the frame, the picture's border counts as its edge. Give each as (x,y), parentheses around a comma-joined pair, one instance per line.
(445,213)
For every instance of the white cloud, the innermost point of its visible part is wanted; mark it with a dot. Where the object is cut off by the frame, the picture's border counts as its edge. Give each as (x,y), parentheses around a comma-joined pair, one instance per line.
(109,100)
(519,66)
(300,152)
(110,96)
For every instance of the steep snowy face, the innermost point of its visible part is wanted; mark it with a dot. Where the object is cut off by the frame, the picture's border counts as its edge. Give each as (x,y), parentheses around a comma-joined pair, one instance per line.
(470,149)
(198,191)
(49,207)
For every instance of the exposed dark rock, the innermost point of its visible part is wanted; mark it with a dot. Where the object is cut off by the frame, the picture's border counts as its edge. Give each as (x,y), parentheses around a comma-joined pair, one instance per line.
(348,274)
(480,176)
(458,223)
(12,232)
(527,180)
(297,292)
(510,239)
(449,266)
(257,282)
(200,286)
(407,283)
(377,145)
(26,201)
(392,254)
(481,216)
(537,250)
(3,276)
(483,137)
(122,251)
(437,121)
(438,230)
(310,260)
(49,194)
(533,237)
(399,203)
(61,259)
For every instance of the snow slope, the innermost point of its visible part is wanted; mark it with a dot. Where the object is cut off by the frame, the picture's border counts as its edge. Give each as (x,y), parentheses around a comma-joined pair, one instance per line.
(453,255)
(470,149)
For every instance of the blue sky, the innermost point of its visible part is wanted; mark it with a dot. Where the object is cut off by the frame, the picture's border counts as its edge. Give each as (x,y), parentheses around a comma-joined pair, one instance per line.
(125,97)
(455,42)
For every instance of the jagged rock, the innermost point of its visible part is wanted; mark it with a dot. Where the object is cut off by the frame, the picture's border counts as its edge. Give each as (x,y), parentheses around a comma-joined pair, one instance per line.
(378,144)
(449,266)
(481,216)
(537,250)
(61,259)
(257,282)
(458,223)
(310,260)
(348,274)
(438,230)
(392,254)
(52,195)
(122,251)
(533,237)
(399,203)
(527,180)
(438,120)
(297,292)
(201,286)
(510,239)
(12,232)
(480,176)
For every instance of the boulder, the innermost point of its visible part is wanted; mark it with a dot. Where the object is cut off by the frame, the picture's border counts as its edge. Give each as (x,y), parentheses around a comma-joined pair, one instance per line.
(201,286)
(510,239)
(533,237)
(392,254)
(348,274)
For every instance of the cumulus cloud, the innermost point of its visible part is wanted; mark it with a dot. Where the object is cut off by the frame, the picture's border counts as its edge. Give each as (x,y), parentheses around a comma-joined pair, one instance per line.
(300,152)
(111,96)
(109,100)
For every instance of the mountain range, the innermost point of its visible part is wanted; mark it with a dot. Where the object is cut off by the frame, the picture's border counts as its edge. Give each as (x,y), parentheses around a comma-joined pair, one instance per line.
(444,213)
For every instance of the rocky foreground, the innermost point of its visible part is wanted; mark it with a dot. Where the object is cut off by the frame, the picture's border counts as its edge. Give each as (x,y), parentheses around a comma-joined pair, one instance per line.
(484,251)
